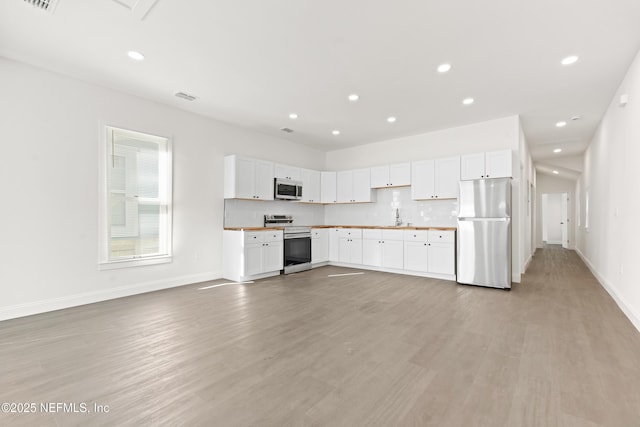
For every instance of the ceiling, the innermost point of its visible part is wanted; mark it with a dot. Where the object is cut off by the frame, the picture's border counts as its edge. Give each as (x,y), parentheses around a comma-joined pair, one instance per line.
(253,62)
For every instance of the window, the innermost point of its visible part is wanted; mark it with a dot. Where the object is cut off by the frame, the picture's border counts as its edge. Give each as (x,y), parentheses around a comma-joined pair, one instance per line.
(136,208)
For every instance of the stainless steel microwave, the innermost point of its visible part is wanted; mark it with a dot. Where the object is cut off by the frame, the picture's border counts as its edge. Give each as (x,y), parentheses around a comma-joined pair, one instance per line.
(286,189)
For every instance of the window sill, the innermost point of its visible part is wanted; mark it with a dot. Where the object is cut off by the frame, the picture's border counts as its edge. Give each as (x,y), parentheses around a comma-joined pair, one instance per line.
(135,262)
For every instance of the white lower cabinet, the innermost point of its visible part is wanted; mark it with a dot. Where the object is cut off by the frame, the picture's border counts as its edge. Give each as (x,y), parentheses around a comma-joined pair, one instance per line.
(319,245)
(350,245)
(249,255)
(430,251)
(382,248)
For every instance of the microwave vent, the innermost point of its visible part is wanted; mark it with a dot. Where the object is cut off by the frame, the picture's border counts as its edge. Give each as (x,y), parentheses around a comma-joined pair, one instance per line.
(45,5)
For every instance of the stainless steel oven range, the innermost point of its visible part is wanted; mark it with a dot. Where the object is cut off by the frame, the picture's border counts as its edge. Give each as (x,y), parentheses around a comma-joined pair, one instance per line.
(297,243)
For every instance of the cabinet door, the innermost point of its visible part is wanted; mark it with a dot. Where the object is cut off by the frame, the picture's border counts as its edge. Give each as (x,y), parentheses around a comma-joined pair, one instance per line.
(441,258)
(344,253)
(287,172)
(344,186)
(273,256)
(472,166)
(400,175)
(245,178)
(393,254)
(416,256)
(264,180)
(423,180)
(310,186)
(355,251)
(447,177)
(319,245)
(498,164)
(327,187)
(362,185)
(372,252)
(380,177)
(253,259)
(334,244)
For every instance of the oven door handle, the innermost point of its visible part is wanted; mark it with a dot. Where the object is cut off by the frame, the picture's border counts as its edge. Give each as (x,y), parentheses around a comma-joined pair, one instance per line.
(298,236)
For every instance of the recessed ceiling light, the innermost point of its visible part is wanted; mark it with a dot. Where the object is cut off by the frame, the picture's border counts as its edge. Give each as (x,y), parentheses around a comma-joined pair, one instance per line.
(561,124)
(391,119)
(569,60)
(293,116)
(557,150)
(353,97)
(556,172)
(468,101)
(336,132)
(443,68)
(135,55)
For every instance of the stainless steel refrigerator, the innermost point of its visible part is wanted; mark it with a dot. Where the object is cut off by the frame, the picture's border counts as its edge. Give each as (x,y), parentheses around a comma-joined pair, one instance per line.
(484,233)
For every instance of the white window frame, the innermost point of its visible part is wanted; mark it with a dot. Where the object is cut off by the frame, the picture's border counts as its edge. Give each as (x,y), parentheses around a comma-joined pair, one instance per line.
(104,262)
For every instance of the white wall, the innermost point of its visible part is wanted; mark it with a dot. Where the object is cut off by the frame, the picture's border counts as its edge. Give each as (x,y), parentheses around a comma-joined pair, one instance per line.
(547,184)
(50,127)
(610,176)
(486,136)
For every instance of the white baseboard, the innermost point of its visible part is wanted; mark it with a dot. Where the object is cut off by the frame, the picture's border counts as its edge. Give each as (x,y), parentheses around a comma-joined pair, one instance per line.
(43,306)
(633,316)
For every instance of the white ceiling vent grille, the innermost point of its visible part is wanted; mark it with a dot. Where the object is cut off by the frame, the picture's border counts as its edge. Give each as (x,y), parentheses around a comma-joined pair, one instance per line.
(46,5)
(185,96)
(287,130)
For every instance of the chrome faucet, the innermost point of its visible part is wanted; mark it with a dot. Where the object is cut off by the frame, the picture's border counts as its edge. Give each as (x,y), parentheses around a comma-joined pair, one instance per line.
(398,220)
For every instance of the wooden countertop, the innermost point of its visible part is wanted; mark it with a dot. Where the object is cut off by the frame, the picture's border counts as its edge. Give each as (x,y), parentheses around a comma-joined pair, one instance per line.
(384,227)
(381,227)
(253,228)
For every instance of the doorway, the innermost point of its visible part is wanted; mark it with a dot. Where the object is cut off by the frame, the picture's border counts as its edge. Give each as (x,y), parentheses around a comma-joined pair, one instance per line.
(555,219)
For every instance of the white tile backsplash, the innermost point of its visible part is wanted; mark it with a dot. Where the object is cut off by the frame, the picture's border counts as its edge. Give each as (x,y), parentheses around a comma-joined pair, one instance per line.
(420,213)
(250,213)
(434,213)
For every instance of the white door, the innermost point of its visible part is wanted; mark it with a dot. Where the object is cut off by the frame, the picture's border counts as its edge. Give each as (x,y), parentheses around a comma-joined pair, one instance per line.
(273,256)
(371,252)
(362,185)
(498,164)
(565,220)
(344,252)
(334,244)
(355,249)
(400,174)
(253,259)
(441,258)
(264,180)
(344,186)
(447,177)
(393,254)
(245,178)
(380,177)
(327,187)
(422,180)
(552,218)
(310,186)
(472,166)
(415,256)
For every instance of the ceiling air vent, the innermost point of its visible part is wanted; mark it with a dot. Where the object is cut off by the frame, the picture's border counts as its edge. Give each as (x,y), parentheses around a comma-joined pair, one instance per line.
(45,5)
(287,130)
(185,96)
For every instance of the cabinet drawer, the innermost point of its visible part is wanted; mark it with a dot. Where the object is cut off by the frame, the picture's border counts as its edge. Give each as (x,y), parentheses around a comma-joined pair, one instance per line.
(253,236)
(444,236)
(393,234)
(273,236)
(352,233)
(372,233)
(416,235)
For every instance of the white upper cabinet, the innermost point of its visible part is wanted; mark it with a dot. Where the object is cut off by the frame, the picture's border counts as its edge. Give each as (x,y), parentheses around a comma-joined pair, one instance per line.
(391,176)
(493,164)
(246,178)
(287,172)
(327,187)
(311,186)
(354,186)
(435,179)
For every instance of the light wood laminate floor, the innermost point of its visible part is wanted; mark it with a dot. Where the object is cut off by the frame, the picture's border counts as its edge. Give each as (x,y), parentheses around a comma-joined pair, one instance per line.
(374,349)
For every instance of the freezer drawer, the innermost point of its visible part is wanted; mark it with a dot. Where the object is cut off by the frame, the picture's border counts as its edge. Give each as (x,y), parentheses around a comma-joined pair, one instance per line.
(484,252)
